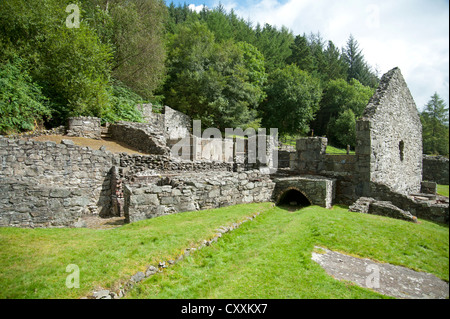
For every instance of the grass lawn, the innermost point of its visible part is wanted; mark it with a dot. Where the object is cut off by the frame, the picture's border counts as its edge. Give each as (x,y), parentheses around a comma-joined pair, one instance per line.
(269,257)
(33,261)
(442,190)
(334,150)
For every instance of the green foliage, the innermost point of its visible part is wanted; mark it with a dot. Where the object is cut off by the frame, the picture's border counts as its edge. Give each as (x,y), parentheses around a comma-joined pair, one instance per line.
(75,66)
(71,65)
(357,66)
(301,54)
(123,105)
(342,130)
(338,96)
(74,73)
(435,127)
(292,100)
(274,44)
(137,35)
(22,104)
(220,83)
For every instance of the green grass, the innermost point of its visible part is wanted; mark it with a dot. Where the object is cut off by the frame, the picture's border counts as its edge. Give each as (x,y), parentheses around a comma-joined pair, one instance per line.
(269,257)
(33,261)
(442,190)
(334,150)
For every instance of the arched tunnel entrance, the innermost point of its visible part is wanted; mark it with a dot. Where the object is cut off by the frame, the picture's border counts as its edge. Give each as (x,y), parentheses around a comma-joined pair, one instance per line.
(293,197)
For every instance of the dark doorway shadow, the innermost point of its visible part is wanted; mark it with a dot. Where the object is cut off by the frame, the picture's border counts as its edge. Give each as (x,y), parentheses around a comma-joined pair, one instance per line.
(293,200)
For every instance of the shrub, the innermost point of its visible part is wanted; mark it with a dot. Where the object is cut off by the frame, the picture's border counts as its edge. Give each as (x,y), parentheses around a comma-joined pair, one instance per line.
(22,104)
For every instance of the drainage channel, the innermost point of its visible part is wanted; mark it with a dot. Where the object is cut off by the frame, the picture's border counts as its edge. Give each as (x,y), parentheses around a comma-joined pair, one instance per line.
(155,269)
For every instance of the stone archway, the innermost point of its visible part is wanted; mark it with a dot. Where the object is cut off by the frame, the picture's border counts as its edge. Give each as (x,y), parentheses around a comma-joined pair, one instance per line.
(294,197)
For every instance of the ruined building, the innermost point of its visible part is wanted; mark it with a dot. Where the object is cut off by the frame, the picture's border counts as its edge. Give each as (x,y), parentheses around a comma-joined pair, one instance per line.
(44,184)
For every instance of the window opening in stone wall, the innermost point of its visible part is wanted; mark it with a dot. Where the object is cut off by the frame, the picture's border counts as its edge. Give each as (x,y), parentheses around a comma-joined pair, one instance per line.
(401,147)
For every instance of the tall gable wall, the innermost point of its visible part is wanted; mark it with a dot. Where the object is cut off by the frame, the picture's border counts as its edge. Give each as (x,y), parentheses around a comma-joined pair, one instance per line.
(389,138)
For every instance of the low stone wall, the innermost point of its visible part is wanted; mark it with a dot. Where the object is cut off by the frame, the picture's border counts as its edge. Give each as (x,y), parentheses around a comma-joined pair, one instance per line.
(132,164)
(195,191)
(28,203)
(49,184)
(141,136)
(344,169)
(317,189)
(436,169)
(310,158)
(88,127)
(435,208)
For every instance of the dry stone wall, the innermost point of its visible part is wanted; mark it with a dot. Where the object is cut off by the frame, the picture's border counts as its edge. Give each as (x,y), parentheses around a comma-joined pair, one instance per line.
(436,169)
(311,158)
(88,127)
(195,191)
(49,184)
(141,136)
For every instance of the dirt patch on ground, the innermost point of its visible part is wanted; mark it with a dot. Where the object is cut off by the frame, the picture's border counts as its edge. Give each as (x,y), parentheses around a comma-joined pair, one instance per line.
(387,279)
(108,143)
(96,222)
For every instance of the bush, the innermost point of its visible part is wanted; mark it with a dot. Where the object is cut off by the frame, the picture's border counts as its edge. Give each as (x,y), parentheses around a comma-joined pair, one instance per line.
(123,105)
(22,104)
(342,130)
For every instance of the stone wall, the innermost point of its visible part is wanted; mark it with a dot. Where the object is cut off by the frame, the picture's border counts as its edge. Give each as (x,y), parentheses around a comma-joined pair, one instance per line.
(317,189)
(141,136)
(88,127)
(434,208)
(436,169)
(134,165)
(343,168)
(49,184)
(177,125)
(310,158)
(189,192)
(389,138)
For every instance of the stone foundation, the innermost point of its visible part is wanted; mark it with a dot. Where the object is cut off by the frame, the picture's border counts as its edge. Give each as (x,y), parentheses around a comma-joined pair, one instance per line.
(88,127)
(189,192)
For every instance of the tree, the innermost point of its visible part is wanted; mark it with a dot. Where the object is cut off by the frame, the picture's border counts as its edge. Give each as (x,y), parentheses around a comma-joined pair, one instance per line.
(357,67)
(292,99)
(22,104)
(71,65)
(220,83)
(339,96)
(301,54)
(342,130)
(435,126)
(335,67)
(135,30)
(274,44)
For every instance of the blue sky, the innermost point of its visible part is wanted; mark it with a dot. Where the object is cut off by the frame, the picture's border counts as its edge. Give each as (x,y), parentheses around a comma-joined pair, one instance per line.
(410,34)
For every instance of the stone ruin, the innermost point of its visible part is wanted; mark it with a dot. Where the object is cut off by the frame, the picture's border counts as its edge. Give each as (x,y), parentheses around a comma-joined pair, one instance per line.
(44,184)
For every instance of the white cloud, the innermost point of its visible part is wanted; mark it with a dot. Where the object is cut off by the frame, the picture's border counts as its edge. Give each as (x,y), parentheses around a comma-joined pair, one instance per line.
(196,8)
(410,34)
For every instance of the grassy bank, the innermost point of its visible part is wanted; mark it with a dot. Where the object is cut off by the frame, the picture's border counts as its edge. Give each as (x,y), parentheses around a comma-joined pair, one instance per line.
(33,261)
(269,257)
(442,190)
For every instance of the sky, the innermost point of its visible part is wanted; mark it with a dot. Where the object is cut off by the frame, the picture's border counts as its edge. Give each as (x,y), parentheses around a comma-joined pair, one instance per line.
(410,34)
